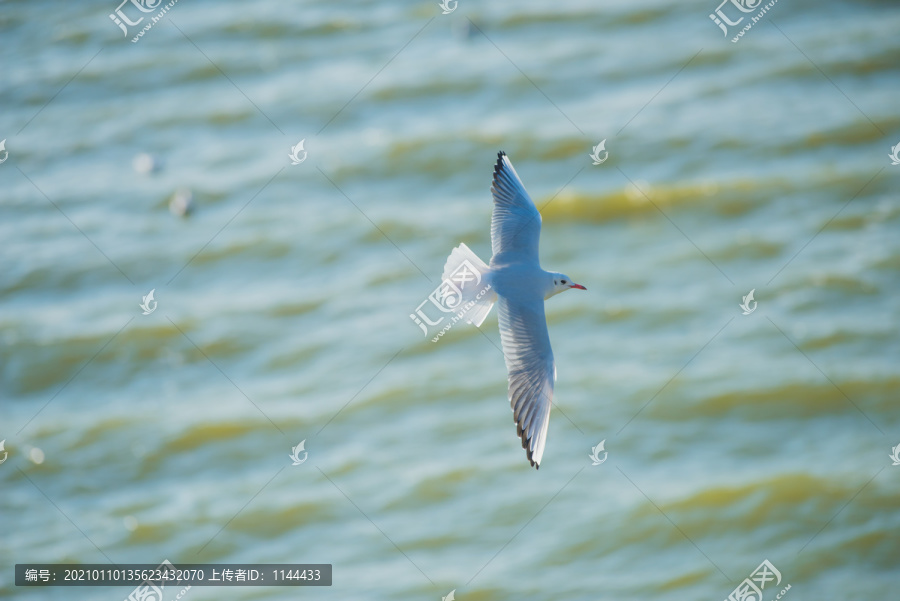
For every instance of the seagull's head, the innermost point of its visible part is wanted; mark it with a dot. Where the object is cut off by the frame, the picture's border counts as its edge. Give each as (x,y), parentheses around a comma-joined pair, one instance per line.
(561,283)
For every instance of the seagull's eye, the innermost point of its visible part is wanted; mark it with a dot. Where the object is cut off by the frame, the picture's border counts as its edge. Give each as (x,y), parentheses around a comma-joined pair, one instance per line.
(563,281)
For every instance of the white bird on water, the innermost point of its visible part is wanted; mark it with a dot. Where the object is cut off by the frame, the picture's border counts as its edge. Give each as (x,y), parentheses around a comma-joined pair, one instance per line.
(515,281)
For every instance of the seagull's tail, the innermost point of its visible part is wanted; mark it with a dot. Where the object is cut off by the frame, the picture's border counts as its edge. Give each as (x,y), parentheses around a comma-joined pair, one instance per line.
(472,277)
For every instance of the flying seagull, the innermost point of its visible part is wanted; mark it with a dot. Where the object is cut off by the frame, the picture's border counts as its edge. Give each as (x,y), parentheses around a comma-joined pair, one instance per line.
(515,281)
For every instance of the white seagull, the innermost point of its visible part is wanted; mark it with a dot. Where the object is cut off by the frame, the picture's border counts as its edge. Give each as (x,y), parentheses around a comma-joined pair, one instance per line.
(516,282)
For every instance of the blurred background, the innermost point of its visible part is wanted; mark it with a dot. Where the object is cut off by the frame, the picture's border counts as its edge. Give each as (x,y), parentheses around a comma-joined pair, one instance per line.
(285,292)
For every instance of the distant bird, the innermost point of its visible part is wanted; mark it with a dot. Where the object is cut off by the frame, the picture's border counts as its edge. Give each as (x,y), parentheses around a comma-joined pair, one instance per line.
(516,282)
(145,163)
(182,202)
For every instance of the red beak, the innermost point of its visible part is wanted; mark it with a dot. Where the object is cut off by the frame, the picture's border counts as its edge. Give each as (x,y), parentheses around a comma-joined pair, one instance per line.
(579,286)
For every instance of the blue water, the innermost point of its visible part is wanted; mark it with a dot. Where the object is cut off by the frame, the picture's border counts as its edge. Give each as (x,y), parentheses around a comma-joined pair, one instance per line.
(284,297)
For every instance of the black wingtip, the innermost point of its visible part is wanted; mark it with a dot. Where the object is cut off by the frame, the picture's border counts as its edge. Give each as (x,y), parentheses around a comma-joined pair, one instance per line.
(498,166)
(521,434)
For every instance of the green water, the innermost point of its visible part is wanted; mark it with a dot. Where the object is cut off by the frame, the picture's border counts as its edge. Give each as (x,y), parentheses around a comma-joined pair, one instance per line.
(284,297)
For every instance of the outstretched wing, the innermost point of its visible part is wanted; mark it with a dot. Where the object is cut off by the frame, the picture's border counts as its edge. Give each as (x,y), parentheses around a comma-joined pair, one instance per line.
(516,222)
(531,369)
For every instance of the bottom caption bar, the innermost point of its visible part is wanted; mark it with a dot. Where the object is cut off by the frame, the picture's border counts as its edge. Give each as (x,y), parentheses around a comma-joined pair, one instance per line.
(156,578)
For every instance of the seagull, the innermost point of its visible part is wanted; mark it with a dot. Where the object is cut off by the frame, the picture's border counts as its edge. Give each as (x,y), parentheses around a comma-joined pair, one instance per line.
(515,281)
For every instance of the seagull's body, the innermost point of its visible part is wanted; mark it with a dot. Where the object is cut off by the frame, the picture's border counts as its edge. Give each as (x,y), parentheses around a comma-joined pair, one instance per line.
(517,283)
